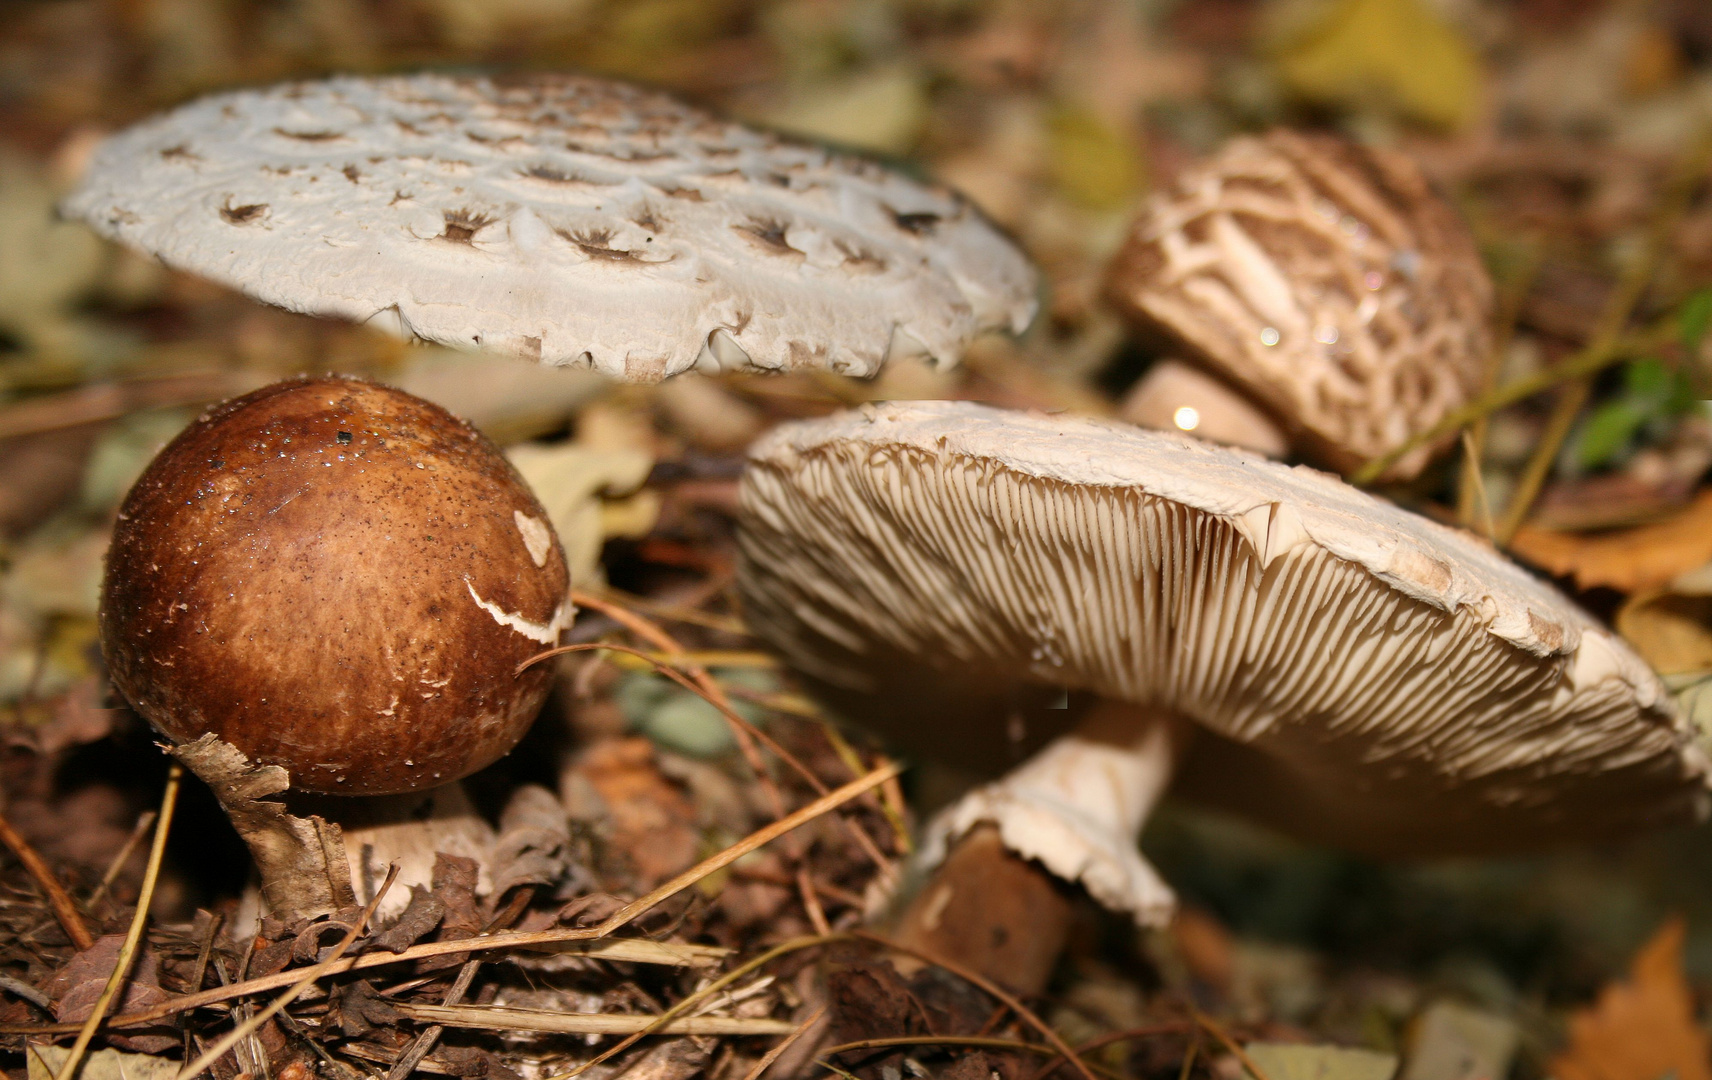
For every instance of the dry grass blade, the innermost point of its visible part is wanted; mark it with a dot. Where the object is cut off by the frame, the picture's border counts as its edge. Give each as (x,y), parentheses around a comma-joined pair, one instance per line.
(651,632)
(1480,513)
(138,831)
(756,839)
(772,1055)
(1679,193)
(525,940)
(502,1018)
(993,990)
(1570,401)
(64,908)
(231,1038)
(1217,1030)
(412,1057)
(678,613)
(133,935)
(690,1002)
(703,685)
(627,950)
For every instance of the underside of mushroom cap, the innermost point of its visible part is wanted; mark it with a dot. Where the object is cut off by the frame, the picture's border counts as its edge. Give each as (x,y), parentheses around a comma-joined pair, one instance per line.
(569,220)
(1327,279)
(1390,684)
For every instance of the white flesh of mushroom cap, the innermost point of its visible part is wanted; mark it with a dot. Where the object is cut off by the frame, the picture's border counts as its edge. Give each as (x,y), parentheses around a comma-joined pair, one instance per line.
(1360,675)
(570,220)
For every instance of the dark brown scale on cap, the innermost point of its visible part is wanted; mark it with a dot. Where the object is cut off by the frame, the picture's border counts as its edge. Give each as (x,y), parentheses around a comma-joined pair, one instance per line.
(338,578)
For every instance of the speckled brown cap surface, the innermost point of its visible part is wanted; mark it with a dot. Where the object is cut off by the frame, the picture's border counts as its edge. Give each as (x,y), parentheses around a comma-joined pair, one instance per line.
(1325,280)
(339,578)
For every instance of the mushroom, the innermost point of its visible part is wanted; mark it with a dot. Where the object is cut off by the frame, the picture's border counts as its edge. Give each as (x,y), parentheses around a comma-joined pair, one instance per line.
(1323,281)
(570,220)
(339,579)
(1266,639)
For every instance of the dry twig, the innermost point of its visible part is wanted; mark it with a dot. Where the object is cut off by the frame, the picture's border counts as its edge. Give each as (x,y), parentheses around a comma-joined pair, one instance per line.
(133,935)
(64,908)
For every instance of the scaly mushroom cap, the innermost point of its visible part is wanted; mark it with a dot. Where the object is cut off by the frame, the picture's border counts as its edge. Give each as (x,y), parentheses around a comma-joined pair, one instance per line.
(570,220)
(1362,675)
(1324,278)
(337,578)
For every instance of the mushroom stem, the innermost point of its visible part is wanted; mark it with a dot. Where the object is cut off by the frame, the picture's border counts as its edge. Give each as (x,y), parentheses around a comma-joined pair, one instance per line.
(1000,900)
(409,829)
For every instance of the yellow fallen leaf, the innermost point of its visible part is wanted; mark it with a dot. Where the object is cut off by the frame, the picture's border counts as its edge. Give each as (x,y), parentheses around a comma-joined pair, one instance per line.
(1644,557)
(1399,52)
(1671,630)
(1090,161)
(1641,1028)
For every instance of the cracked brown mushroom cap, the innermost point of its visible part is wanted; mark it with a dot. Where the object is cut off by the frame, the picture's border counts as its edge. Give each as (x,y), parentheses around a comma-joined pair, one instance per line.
(570,220)
(337,578)
(1357,674)
(1323,279)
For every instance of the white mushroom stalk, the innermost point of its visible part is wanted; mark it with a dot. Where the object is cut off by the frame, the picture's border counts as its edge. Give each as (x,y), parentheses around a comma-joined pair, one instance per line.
(1356,674)
(1078,808)
(565,219)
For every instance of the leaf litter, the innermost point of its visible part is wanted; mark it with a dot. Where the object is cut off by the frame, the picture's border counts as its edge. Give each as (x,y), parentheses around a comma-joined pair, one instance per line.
(1555,126)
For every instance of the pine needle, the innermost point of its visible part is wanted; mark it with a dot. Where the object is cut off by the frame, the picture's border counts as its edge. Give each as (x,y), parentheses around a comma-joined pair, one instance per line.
(128,950)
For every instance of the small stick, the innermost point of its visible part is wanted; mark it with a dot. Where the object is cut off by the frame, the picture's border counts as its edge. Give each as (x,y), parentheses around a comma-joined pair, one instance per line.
(412,1057)
(1217,1031)
(27,992)
(231,1038)
(784,1044)
(133,935)
(205,951)
(64,908)
(700,996)
(1565,410)
(138,831)
(811,903)
(1476,484)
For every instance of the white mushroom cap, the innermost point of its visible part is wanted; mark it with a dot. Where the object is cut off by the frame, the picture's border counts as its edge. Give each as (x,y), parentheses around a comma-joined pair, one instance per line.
(1361,675)
(1325,278)
(570,220)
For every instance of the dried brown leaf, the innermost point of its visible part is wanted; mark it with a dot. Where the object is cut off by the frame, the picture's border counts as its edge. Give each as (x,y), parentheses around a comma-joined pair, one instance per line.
(416,921)
(1642,1027)
(534,840)
(1643,557)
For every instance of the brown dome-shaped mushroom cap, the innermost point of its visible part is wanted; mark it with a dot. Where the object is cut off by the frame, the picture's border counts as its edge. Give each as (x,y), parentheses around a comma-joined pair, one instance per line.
(1366,676)
(338,578)
(565,219)
(1326,279)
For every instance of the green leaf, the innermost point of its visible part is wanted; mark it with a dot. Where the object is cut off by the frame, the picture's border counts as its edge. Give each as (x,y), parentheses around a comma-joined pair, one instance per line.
(1607,432)
(1695,317)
